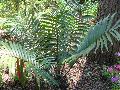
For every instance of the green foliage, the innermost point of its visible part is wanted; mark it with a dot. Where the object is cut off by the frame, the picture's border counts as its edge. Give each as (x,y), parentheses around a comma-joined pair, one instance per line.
(83,6)
(57,35)
(98,37)
(18,51)
(112,73)
(50,28)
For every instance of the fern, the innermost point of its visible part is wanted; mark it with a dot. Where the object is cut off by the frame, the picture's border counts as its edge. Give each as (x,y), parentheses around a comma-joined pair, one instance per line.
(98,37)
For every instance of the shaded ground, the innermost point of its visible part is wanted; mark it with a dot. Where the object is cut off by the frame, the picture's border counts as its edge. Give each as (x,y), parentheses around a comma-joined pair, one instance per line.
(91,78)
(85,76)
(17,86)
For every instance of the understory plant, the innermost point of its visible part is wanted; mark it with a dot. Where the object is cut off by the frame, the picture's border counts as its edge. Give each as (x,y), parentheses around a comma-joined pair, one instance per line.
(113,73)
(13,49)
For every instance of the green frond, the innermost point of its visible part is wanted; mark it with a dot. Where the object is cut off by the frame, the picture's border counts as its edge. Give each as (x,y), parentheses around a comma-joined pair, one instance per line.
(98,36)
(45,75)
(101,29)
(16,50)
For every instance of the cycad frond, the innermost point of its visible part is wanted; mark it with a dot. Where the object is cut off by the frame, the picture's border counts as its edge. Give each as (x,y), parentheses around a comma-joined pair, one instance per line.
(16,50)
(98,36)
(65,30)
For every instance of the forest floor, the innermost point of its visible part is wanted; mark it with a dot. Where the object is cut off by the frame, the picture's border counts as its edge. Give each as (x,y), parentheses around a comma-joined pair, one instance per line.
(85,76)
(17,86)
(82,76)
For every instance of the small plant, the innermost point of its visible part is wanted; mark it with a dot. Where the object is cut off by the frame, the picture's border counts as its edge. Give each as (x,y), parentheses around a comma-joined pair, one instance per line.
(113,73)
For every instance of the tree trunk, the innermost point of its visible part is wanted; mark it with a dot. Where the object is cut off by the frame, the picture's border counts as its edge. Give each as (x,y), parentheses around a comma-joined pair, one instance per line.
(92,78)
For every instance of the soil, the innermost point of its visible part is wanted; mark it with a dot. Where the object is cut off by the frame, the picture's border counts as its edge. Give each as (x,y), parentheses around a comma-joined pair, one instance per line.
(82,76)
(31,85)
(85,76)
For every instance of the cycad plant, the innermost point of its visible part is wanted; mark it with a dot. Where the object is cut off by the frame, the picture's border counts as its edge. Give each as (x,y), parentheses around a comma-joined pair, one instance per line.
(57,33)
(22,55)
(53,35)
(99,36)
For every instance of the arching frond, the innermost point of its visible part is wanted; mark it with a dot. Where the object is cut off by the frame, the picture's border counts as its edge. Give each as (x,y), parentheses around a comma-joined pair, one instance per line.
(99,36)
(16,50)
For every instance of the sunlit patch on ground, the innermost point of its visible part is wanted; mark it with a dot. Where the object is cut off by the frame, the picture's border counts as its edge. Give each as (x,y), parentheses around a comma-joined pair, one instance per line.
(73,75)
(7,61)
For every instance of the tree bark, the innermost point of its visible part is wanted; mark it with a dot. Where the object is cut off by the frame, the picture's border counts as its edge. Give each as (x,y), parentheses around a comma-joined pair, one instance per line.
(92,78)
